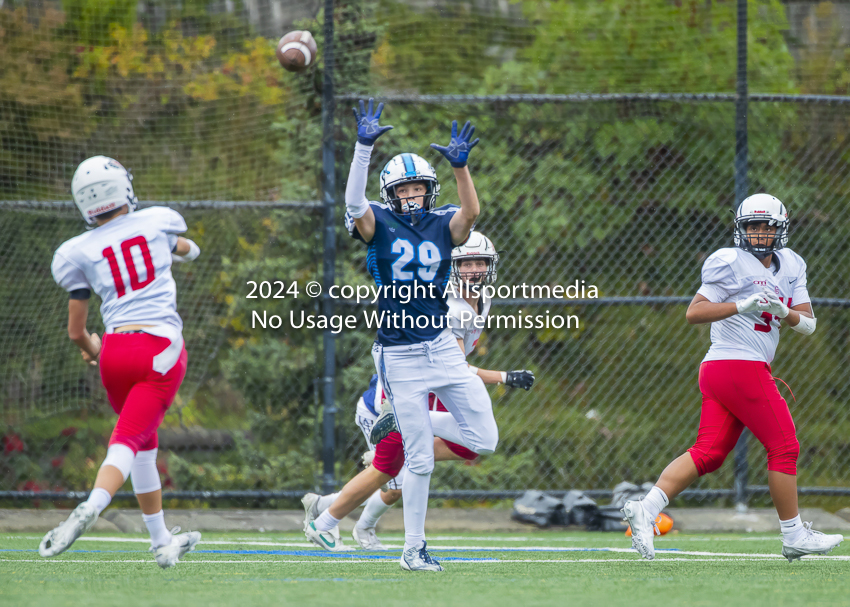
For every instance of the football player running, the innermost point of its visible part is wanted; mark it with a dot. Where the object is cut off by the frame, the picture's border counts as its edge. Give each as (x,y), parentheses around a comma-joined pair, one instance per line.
(126,260)
(410,243)
(746,291)
(474,264)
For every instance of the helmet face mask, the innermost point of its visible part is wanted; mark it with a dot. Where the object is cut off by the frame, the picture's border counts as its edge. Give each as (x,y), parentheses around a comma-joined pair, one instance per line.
(100,185)
(763,209)
(477,247)
(403,169)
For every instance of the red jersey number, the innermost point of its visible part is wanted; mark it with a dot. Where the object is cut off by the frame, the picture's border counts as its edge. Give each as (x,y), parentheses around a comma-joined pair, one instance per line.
(127,253)
(768,317)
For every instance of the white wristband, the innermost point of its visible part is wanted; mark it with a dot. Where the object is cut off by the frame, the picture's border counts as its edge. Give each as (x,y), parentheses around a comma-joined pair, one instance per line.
(194,251)
(473,370)
(504,377)
(806,326)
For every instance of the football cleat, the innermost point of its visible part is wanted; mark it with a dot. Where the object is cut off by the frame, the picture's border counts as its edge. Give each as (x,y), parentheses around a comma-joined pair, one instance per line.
(60,539)
(180,545)
(643,528)
(367,539)
(310,501)
(384,426)
(327,540)
(418,559)
(810,542)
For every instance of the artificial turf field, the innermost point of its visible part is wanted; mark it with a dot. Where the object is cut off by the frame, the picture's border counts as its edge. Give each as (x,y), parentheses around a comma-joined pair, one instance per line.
(539,568)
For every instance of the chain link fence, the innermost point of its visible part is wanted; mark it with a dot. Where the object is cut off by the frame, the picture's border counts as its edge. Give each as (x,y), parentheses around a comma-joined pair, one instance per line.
(627,194)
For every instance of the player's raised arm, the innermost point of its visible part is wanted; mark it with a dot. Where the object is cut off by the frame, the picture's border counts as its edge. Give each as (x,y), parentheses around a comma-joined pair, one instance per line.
(457,153)
(356,203)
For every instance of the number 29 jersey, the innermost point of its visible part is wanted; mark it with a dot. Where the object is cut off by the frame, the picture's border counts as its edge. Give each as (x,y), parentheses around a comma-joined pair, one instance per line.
(731,275)
(127,262)
(400,254)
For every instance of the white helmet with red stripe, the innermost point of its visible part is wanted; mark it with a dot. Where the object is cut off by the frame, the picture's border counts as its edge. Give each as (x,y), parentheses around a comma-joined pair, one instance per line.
(100,184)
(477,246)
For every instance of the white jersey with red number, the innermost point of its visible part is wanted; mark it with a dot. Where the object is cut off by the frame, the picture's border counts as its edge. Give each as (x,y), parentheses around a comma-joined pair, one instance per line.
(462,320)
(731,275)
(127,262)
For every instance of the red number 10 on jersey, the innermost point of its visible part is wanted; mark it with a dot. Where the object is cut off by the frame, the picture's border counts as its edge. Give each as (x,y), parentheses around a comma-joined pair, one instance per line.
(126,251)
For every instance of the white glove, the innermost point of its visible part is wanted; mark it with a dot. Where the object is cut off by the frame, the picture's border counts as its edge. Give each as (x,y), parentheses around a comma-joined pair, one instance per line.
(753,304)
(775,305)
(367,458)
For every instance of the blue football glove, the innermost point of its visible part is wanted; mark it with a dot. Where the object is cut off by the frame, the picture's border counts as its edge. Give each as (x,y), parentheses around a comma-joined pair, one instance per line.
(457,152)
(368,129)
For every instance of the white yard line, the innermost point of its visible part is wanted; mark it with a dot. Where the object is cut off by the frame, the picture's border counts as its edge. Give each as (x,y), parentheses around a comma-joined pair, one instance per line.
(337,561)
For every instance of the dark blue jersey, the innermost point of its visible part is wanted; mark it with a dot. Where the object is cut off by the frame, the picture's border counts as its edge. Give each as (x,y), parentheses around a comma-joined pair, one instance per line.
(416,257)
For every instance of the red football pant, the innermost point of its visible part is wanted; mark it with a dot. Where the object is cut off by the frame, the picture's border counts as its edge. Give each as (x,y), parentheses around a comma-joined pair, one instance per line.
(738,394)
(389,454)
(138,394)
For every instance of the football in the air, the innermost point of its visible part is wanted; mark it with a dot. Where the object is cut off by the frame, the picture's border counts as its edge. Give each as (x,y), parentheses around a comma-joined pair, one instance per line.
(663,524)
(297,51)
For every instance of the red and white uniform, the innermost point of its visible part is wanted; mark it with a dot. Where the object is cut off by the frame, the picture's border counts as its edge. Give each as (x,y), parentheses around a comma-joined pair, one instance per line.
(127,262)
(735,379)
(389,453)
(732,274)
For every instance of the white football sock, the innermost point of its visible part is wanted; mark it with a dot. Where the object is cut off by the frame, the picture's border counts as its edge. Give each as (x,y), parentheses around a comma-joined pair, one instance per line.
(325,501)
(160,535)
(415,498)
(99,498)
(654,502)
(326,522)
(375,509)
(792,529)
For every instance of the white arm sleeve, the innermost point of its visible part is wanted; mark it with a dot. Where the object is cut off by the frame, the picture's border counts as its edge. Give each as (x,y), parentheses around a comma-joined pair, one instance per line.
(718,278)
(67,275)
(355,190)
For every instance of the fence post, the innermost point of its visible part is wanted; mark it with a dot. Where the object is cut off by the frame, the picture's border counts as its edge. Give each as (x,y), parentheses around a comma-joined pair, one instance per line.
(329,256)
(741,187)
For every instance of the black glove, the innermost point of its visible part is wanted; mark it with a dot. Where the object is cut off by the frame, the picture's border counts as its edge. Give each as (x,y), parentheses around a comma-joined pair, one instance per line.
(520,379)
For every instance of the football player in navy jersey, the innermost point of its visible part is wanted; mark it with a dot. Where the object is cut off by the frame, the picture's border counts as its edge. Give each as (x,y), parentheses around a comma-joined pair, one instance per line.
(410,242)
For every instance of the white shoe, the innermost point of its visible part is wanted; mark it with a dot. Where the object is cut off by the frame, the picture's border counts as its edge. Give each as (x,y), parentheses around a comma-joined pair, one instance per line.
(418,559)
(643,528)
(328,540)
(168,555)
(810,542)
(367,538)
(60,539)
(311,508)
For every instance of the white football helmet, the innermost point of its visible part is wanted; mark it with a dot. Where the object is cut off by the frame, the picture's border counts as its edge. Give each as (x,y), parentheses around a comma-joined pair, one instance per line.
(477,246)
(100,184)
(761,208)
(405,168)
